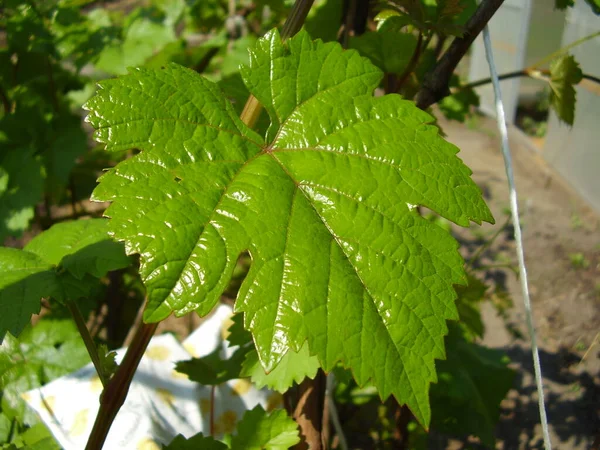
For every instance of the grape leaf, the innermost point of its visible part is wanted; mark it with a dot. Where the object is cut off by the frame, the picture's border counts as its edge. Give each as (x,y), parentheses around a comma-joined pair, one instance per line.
(62,262)
(564,74)
(473,380)
(81,247)
(24,279)
(211,369)
(42,353)
(325,208)
(258,430)
(388,48)
(24,178)
(198,441)
(293,368)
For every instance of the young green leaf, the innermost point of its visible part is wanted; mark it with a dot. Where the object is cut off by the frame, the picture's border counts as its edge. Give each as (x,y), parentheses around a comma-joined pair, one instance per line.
(326,207)
(564,74)
(261,431)
(388,48)
(62,262)
(211,369)
(293,368)
(81,247)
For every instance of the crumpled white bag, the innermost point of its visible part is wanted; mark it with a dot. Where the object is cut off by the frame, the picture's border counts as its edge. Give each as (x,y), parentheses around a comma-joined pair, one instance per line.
(161,402)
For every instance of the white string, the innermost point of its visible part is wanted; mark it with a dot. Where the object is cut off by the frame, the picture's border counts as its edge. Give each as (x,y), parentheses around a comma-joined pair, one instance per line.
(518,238)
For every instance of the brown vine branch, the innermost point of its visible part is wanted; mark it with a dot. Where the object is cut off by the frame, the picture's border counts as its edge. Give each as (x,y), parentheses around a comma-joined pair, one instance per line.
(435,87)
(115,393)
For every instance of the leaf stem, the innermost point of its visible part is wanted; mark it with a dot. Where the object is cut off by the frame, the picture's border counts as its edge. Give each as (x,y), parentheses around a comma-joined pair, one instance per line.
(115,393)
(87,340)
(292,25)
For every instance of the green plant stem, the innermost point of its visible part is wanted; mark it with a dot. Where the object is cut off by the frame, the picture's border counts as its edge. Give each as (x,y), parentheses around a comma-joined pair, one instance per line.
(529,72)
(292,25)
(88,340)
(115,393)
(565,49)
(487,244)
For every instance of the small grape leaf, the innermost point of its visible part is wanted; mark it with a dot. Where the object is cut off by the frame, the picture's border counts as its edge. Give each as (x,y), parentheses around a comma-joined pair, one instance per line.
(261,431)
(42,353)
(211,369)
(63,262)
(326,207)
(564,74)
(196,442)
(107,360)
(81,247)
(293,368)
(473,380)
(388,48)
(458,106)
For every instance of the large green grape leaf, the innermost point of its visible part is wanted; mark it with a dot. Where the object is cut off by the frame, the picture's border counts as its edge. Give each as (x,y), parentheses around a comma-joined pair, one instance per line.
(63,262)
(326,208)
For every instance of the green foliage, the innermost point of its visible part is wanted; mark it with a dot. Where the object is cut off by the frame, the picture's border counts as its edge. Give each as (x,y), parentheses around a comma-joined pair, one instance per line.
(564,74)
(42,353)
(256,431)
(293,367)
(458,106)
(205,188)
(381,47)
(62,263)
(472,382)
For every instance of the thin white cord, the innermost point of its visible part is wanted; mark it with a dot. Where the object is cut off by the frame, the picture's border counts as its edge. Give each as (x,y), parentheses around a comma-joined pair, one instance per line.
(518,238)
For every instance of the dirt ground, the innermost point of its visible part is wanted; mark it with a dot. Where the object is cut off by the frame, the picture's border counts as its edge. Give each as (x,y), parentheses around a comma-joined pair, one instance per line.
(562,251)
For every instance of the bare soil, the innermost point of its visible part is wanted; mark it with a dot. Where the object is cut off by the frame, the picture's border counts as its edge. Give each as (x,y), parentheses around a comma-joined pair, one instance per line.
(562,250)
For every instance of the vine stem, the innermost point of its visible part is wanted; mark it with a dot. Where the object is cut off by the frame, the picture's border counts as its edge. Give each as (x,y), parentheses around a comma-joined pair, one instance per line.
(113,396)
(529,72)
(435,86)
(88,340)
(292,25)
(514,208)
(565,49)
